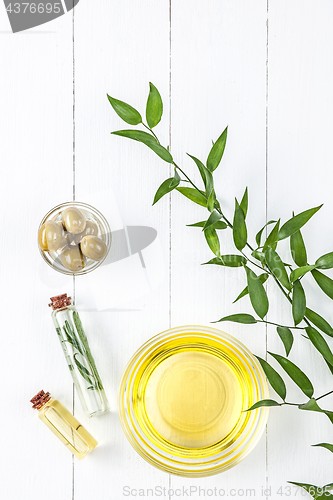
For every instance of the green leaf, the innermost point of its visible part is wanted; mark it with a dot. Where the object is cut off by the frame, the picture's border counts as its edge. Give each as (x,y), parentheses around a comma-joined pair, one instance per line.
(299,302)
(166,187)
(154,108)
(330,367)
(274,378)
(310,488)
(205,174)
(324,282)
(297,249)
(312,405)
(83,371)
(245,202)
(263,277)
(328,446)
(216,153)
(295,374)
(296,222)
(258,255)
(319,322)
(320,344)
(79,329)
(328,414)
(259,234)
(71,337)
(276,266)
(272,238)
(228,261)
(257,293)
(264,402)
(87,354)
(193,195)
(239,227)
(300,272)
(148,140)
(218,225)
(211,201)
(125,111)
(161,151)
(287,338)
(212,219)
(212,240)
(325,261)
(247,319)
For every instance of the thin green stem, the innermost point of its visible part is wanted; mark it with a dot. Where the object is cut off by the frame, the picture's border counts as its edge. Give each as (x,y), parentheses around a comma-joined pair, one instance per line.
(177,167)
(281,288)
(286,403)
(324,395)
(255,263)
(151,131)
(283,326)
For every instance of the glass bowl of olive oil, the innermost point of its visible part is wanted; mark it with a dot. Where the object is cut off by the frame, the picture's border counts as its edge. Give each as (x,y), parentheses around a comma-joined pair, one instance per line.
(183,401)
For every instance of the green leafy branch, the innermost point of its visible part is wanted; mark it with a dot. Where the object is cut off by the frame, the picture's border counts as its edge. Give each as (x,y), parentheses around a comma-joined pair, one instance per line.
(97,382)
(262,255)
(78,340)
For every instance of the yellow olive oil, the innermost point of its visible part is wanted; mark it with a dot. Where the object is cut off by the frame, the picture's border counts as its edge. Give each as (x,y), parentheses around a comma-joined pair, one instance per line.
(190,394)
(63,424)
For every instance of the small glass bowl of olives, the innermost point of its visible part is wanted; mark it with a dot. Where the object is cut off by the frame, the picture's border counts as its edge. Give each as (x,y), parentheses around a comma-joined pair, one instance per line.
(74,238)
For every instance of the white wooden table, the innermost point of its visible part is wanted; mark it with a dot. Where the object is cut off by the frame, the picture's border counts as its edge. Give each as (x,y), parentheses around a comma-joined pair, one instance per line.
(264,67)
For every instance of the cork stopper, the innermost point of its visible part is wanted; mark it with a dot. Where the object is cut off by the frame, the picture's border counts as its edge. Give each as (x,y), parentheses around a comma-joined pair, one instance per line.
(40,399)
(60,301)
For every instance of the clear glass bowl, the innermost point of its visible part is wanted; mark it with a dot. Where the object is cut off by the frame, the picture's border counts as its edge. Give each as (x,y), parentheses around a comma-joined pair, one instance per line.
(183,401)
(94,218)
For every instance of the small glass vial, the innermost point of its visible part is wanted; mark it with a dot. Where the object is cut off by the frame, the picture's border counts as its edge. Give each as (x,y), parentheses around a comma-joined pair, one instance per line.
(78,355)
(63,424)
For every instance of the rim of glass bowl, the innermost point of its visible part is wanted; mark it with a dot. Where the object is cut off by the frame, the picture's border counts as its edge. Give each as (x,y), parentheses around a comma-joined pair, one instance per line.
(104,226)
(226,458)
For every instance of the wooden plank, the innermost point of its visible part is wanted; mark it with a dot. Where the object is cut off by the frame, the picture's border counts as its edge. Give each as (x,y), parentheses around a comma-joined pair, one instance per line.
(218,79)
(36,152)
(299,177)
(118,51)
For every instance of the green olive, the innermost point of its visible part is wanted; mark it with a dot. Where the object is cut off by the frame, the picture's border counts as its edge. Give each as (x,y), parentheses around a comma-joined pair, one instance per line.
(54,235)
(73,220)
(93,247)
(91,228)
(72,259)
(42,242)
